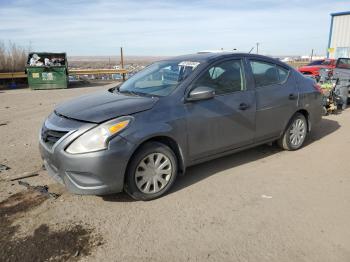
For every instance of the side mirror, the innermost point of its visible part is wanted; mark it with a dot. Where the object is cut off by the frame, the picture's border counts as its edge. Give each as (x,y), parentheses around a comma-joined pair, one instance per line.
(201,93)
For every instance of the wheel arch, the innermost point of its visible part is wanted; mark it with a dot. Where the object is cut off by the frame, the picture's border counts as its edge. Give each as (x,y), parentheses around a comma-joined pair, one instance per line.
(306,114)
(302,111)
(171,143)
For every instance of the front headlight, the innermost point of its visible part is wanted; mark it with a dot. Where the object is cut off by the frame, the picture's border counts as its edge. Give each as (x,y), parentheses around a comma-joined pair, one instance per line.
(98,137)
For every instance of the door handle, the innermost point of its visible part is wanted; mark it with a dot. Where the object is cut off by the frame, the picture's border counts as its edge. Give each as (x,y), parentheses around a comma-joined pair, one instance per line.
(243,106)
(292,96)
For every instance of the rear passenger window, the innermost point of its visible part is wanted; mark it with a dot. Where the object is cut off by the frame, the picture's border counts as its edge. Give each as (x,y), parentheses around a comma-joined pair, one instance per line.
(267,73)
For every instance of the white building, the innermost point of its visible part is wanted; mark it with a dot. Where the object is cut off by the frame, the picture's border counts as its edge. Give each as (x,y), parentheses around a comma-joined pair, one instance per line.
(339,35)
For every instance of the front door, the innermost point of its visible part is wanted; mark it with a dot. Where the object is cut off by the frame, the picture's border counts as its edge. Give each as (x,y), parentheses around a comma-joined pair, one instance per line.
(226,121)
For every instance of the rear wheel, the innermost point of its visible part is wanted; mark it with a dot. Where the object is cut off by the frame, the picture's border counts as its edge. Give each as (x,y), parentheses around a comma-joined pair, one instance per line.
(151,172)
(294,136)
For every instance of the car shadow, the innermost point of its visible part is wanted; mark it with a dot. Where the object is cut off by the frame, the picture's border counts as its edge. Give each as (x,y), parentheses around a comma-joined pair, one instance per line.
(323,129)
(16,87)
(202,171)
(118,197)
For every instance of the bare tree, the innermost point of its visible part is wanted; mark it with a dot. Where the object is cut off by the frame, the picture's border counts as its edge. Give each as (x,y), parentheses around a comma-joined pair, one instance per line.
(3,57)
(13,58)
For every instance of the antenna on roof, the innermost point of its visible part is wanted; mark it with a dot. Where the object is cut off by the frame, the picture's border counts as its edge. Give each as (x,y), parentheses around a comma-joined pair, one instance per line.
(251,50)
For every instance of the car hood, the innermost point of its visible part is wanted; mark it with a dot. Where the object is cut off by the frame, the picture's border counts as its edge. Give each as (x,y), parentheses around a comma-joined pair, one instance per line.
(101,106)
(313,68)
(309,67)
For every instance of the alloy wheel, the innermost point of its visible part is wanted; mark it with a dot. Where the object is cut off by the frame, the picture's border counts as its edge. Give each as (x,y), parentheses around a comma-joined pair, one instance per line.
(297,132)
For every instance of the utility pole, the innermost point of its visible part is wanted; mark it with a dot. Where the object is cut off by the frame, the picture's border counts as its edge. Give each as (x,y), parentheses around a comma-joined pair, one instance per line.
(122,61)
(257,48)
(312,54)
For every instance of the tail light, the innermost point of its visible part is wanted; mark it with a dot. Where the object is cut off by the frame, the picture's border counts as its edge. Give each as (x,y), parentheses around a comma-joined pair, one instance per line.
(317,87)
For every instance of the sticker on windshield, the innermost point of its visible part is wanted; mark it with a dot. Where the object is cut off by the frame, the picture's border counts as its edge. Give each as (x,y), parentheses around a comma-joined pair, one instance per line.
(189,64)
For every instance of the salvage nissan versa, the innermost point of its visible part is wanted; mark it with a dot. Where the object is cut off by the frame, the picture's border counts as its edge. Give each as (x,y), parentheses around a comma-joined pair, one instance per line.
(173,114)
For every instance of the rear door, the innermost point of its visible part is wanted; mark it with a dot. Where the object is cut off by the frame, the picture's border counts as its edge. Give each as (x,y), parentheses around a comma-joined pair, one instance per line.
(276,97)
(228,120)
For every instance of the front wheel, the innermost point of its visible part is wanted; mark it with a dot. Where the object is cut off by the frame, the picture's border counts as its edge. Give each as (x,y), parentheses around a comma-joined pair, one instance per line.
(151,172)
(294,136)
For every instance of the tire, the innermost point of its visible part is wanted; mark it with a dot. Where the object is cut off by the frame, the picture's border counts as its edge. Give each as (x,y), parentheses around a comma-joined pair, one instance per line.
(294,136)
(151,172)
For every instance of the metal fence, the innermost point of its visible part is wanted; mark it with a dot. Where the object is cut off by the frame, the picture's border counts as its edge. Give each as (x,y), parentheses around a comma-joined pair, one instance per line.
(16,75)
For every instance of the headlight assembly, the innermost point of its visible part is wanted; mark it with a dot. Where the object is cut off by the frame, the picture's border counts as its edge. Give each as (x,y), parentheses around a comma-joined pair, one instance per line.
(98,137)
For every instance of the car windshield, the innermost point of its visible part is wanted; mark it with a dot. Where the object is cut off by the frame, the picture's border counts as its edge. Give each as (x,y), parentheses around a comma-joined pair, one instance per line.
(326,62)
(158,79)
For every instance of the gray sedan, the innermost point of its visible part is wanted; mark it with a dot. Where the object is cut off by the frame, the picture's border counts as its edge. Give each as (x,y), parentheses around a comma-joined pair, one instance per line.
(173,114)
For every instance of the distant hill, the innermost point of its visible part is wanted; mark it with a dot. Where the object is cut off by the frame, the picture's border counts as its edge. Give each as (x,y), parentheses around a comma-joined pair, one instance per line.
(93,62)
(116,59)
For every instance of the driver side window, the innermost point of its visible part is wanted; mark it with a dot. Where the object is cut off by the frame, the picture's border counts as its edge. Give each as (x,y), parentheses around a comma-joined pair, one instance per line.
(224,77)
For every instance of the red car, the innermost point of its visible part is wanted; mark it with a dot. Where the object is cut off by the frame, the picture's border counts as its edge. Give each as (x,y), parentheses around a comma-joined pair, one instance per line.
(313,68)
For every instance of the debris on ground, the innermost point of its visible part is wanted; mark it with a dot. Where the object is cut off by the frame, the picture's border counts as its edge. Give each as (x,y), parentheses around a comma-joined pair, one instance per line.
(4,123)
(41,189)
(265,196)
(26,175)
(4,167)
(29,174)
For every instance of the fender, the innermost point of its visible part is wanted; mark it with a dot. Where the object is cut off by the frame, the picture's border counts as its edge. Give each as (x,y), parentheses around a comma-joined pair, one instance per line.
(159,132)
(302,111)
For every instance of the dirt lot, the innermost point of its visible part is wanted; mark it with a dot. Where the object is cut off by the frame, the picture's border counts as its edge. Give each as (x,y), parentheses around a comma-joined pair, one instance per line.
(263,204)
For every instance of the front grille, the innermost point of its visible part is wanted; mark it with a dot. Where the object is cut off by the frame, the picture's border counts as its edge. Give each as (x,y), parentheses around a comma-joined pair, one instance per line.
(50,137)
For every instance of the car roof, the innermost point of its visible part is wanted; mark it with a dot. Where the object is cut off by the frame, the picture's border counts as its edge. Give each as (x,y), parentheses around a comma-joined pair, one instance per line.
(206,57)
(209,56)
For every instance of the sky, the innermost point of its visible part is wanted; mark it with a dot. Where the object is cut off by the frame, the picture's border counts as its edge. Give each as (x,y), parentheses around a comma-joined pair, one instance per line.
(159,28)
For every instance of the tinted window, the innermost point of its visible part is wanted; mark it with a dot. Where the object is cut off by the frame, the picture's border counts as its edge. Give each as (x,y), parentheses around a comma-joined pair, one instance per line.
(343,63)
(326,62)
(267,73)
(224,77)
(282,73)
(316,62)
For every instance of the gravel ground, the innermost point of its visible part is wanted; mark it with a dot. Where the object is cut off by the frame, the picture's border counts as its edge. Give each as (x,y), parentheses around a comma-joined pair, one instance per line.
(262,204)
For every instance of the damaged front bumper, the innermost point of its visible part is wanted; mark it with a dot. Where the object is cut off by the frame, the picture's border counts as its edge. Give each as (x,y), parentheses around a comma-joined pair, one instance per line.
(94,173)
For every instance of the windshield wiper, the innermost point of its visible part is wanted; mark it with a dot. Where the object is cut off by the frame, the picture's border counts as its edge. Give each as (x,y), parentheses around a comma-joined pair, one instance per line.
(135,93)
(129,92)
